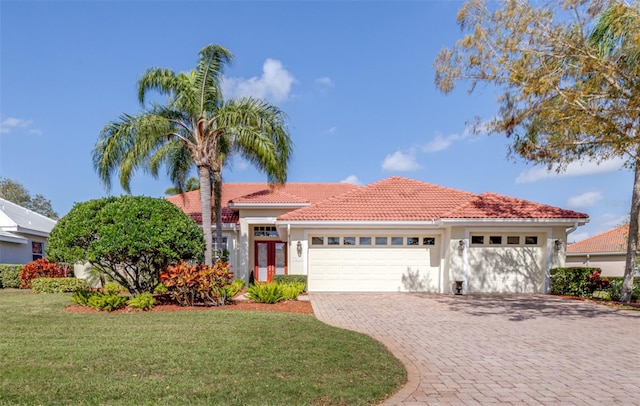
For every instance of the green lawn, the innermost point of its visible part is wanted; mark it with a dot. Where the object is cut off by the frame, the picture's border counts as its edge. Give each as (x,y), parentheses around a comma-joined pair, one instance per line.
(48,356)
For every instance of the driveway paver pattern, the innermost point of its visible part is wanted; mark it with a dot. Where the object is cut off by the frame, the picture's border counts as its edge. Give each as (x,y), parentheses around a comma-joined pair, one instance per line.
(490,349)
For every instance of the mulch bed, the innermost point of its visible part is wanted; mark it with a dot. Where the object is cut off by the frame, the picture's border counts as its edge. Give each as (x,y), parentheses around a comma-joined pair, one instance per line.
(288,306)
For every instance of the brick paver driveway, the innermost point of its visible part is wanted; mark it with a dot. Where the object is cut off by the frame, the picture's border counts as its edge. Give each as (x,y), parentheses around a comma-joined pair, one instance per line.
(477,350)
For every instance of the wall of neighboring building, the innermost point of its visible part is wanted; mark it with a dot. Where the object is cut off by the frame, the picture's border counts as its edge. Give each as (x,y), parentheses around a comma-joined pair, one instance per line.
(610,264)
(13,253)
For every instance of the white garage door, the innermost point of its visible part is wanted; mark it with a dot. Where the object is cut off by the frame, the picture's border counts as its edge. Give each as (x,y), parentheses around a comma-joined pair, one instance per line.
(495,266)
(374,268)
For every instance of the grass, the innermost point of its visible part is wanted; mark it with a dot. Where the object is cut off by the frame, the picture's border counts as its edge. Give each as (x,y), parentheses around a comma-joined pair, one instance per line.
(48,356)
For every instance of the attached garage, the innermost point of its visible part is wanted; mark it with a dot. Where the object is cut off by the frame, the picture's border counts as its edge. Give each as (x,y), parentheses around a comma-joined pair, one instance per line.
(381,263)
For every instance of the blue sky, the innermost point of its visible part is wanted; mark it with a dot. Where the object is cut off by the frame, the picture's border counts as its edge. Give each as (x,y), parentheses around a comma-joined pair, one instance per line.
(354,77)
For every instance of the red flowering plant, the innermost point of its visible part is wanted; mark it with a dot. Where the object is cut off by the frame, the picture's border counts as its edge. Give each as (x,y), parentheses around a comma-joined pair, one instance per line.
(192,284)
(41,268)
(595,282)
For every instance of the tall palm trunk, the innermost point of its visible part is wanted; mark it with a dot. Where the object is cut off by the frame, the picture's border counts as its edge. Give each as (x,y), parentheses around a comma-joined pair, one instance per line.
(217,202)
(205,203)
(632,239)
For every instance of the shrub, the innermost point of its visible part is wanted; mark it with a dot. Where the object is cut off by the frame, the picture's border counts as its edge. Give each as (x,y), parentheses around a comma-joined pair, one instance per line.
(290,278)
(161,288)
(129,239)
(191,284)
(578,281)
(265,292)
(291,290)
(40,268)
(57,285)
(108,302)
(10,275)
(615,288)
(232,289)
(113,288)
(143,301)
(82,296)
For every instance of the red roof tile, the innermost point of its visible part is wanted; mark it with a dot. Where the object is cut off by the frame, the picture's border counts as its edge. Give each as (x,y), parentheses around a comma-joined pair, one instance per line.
(259,193)
(391,199)
(614,240)
(493,205)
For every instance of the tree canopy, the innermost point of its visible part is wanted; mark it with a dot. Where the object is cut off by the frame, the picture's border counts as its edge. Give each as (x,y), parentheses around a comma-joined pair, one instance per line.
(15,192)
(129,239)
(569,82)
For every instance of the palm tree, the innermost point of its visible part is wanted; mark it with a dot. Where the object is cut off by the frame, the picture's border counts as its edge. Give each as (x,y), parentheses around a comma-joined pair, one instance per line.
(191,184)
(196,127)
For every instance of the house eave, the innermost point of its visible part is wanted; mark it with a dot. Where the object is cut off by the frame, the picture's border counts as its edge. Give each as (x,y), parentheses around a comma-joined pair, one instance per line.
(513,221)
(595,254)
(356,224)
(288,206)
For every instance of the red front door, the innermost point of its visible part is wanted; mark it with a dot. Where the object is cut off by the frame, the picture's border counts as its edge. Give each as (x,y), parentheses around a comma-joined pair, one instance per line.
(271,259)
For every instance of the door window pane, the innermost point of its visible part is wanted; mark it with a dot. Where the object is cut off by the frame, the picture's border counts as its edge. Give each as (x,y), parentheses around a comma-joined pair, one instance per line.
(381,240)
(413,241)
(365,240)
(397,240)
(317,240)
(349,240)
(428,241)
(333,240)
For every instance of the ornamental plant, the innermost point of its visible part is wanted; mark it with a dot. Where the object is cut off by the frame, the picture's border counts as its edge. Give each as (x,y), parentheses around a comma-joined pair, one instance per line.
(198,284)
(41,268)
(129,239)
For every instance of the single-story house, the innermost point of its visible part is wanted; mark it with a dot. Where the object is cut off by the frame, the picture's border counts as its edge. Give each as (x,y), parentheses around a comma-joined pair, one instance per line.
(23,233)
(607,251)
(396,234)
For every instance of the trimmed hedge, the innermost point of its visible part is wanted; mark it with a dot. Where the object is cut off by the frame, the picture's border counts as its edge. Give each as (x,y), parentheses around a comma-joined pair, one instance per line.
(10,275)
(290,279)
(57,285)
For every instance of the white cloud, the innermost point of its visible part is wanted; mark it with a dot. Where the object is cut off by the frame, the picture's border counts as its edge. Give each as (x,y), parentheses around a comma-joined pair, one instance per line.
(400,161)
(584,200)
(353,179)
(578,168)
(11,124)
(440,142)
(325,81)
(274,84)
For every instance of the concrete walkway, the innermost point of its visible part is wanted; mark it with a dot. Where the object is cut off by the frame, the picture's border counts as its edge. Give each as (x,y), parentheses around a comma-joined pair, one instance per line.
(508,350)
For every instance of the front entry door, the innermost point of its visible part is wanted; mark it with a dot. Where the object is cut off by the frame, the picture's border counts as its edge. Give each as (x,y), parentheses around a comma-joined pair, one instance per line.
(271,259)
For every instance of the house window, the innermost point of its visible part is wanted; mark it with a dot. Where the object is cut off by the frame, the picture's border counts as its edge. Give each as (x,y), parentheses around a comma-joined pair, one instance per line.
(477,239)
(365,240)
(36,250)
(381,240)
(264,231)
(220,246)
(531,240)
(349,240)
(413,241)
(495,239)
(333,240)
(513,240)
(428,241)
(397,240)
(317,240)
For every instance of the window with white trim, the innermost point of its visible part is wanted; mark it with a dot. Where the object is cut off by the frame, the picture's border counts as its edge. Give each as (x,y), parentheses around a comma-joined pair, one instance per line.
(36,250)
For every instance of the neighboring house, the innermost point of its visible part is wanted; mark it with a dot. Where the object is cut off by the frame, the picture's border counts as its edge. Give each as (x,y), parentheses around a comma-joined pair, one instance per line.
(393,235)
(23,233)
(607,251)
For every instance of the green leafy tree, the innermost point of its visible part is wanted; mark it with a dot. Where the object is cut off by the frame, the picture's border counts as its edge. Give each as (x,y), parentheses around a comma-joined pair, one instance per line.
(129,239)
(569,82)
(195,127)
(191,184)
(16,193)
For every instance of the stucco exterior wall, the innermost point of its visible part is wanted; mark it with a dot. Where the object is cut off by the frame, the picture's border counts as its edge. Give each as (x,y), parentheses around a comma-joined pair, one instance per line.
(611,265)
(12,253)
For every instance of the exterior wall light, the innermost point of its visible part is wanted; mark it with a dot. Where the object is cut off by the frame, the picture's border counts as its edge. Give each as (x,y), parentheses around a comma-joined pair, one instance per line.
(299,249)
(461,246)
(557,245)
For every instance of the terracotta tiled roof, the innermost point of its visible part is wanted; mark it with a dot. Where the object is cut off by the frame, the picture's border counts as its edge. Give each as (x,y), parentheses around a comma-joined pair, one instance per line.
(259,193)
(614,240)
(492,205)
(391,199)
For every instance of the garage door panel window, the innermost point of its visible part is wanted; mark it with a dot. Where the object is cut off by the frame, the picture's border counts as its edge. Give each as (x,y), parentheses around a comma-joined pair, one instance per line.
(372,241)
(505,240)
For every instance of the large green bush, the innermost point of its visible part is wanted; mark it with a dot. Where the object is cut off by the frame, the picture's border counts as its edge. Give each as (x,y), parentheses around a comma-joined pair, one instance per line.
(130,239)
(10,275)
(615,288)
